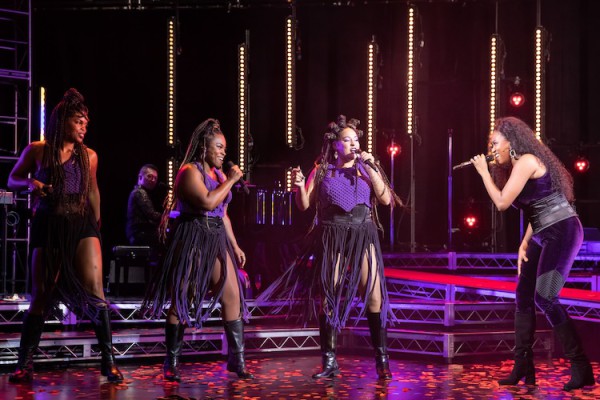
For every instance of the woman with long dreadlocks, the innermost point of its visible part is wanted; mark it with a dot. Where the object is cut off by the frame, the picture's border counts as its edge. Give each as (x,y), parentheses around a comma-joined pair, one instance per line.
(65,233)
(200,263)
(343,257)
(528,175)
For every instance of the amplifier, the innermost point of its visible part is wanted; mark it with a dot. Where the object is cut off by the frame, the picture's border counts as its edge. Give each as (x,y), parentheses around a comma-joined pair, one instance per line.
(6,197)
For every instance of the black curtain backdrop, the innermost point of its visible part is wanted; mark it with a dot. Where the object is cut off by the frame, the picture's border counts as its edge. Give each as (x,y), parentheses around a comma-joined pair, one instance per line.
(117,59)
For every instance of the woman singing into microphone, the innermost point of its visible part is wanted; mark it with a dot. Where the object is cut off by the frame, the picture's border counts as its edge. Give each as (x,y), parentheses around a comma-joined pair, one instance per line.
(529,176)
(203,255)
(343,259)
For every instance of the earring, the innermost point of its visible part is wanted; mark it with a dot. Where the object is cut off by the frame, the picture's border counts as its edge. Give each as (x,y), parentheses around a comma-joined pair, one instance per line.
(335,155)
(512,153)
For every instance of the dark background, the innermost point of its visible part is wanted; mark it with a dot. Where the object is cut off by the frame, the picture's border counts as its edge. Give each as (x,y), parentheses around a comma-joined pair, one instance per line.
(116,56)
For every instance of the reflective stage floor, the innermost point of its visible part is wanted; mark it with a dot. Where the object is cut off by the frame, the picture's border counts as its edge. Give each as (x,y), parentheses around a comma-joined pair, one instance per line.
(289,377)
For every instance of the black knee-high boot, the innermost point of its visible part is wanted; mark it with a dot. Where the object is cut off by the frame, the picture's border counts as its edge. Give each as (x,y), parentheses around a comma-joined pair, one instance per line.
(328,337)
(108,366)
(379,340)
(173,340)
(236,362)
(581,369)
(31,332)
(524,338)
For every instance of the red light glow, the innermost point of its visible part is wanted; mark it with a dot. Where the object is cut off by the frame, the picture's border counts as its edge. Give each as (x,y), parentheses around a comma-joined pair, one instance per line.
(517,99)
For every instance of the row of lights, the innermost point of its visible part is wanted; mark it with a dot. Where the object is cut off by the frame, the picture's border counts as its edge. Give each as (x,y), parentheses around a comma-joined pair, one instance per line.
(242,103)
(371,94)
(410,81)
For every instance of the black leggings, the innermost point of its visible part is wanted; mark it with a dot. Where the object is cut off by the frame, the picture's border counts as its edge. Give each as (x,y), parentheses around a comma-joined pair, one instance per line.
(551,253)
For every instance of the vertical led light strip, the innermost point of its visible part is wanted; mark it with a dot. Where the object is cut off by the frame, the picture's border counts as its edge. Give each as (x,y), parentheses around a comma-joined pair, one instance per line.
(539,82)
(371,95)
(171,82)
(410,118)
(42,113)
(290,81)
(242,105)
(288,179)
(495,40)
(171,140)
(410,82)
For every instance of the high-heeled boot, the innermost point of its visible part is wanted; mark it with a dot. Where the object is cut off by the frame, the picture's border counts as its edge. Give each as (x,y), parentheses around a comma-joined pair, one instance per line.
(236,361)
(31,332)
(108,366)
(173,340)
(581,369)
(379,340)
(328,338)
(524,338)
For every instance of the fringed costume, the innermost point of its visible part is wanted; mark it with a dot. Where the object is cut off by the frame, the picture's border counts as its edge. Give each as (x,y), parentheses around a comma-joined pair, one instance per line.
(58,224)
(195,243)
(329,267)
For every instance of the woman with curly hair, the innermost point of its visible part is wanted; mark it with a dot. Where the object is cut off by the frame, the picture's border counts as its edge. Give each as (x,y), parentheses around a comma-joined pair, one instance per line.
(65,234)
(203,255)
(526,174)
(342,262)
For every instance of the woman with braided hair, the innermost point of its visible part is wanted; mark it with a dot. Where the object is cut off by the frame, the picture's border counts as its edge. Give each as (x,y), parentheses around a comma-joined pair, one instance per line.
(526,174)
(343,260)
(203,255)
(65,233)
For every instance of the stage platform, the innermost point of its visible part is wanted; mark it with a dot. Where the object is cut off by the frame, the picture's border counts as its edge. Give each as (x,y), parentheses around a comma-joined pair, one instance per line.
(443,310)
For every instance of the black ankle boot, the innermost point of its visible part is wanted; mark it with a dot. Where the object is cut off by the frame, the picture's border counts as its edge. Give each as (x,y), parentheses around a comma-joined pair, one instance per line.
(328,338)
(31,332)
(108,366)
(236,362)
(379,340)
(524,338)
(581,369)
(173,340)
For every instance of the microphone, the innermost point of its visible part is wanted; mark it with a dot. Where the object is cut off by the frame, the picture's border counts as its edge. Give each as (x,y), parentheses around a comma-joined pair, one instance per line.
(488,158)
(368,162)
(230,165)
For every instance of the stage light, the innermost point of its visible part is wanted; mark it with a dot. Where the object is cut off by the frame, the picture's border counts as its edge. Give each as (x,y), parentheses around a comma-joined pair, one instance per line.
(171,172)
(290,81)
(494,78)
(42,113)
(581,165)
(288,179)
(541,39)
(516,99)
(373,49)
(393,149)
(243,106)
(171,44)
(470,221)
(410,78)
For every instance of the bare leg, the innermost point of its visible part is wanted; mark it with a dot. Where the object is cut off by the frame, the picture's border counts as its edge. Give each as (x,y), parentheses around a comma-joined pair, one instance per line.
(230,301)
(369,267)
(374,301)
(88,263)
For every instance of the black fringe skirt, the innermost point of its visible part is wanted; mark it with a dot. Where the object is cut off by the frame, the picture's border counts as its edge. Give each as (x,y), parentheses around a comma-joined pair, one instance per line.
(311,283)
(185,278)
(59,235)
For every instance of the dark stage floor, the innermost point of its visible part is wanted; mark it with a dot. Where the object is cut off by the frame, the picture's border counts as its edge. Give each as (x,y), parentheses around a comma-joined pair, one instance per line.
(289,378)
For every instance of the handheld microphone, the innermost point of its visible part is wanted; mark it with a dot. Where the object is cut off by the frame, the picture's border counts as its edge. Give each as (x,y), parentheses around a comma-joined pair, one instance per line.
(488,158)
(368,162)
(230,165)
(47,189)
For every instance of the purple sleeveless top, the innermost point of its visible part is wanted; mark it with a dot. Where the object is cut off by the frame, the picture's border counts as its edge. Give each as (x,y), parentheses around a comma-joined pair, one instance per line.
(534,189)
(342,187)
(72,171)
(211,184)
